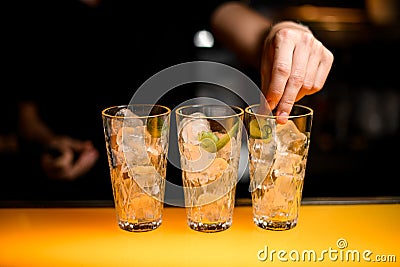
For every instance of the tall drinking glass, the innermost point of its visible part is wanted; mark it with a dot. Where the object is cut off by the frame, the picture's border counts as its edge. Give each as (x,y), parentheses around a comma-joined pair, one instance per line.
(136,138)
(277,164)
(209,139)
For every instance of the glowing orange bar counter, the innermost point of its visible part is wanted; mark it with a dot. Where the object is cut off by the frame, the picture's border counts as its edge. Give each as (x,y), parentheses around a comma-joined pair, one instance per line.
(333,235)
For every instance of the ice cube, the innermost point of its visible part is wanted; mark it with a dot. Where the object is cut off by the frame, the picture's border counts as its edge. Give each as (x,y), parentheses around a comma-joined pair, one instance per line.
(211,173)
(191,152)
(131,142)
(262,151)
(154,146)
(216,169)
(190,128)
(290,139)
(259,177)
(262,154)
(286,186)
(126,118)
(195,158)
(229,150)
(207,198)
(143,206)
(282,165)
(130,118)
(147,178)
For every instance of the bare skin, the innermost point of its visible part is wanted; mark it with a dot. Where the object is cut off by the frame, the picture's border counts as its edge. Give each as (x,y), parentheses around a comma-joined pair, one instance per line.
(292,62)
(76,157)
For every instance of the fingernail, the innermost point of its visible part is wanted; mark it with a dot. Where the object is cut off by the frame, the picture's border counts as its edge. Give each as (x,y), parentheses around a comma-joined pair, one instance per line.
(282,117)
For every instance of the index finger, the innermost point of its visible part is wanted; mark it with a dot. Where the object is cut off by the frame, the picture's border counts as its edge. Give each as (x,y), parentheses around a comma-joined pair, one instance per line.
(280,71)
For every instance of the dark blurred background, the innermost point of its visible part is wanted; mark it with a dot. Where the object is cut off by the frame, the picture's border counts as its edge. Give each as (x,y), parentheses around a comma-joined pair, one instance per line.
(356,127)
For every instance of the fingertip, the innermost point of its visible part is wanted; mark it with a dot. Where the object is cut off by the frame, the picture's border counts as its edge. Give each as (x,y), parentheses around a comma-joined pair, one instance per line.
(282,117)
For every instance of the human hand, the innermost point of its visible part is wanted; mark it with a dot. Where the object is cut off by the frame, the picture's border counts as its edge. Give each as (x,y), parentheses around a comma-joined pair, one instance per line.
(294,64)
(74,158)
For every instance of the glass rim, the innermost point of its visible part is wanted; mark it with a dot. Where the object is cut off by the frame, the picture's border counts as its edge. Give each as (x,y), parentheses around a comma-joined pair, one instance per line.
(237,108)
(309,112)
(105,110)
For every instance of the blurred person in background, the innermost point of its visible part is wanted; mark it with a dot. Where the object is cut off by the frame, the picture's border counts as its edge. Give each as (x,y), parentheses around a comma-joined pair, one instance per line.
(79,56)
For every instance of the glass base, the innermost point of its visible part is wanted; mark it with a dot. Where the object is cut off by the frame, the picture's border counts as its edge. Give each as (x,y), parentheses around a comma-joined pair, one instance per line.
(269,224)
(139,227)
(209,227)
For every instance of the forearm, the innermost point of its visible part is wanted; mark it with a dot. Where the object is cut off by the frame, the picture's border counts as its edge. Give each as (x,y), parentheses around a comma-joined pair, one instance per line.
(241,29)
(31,127)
